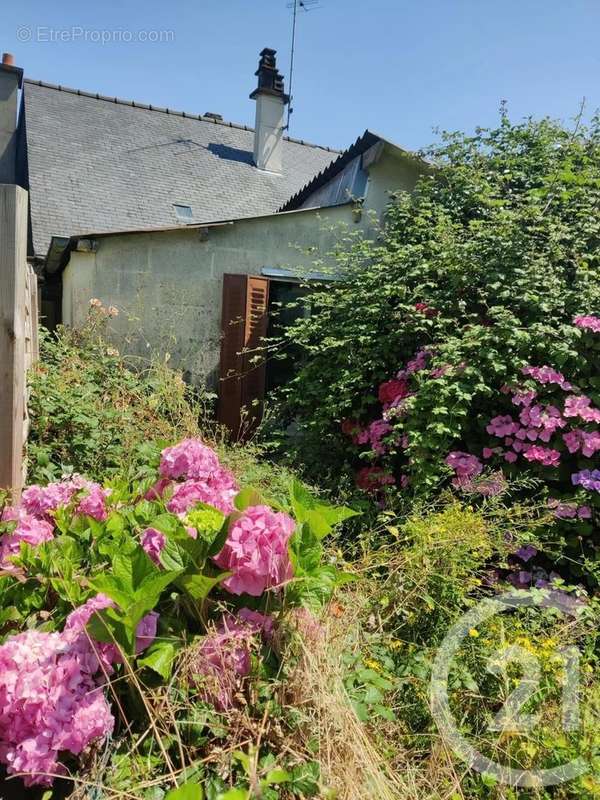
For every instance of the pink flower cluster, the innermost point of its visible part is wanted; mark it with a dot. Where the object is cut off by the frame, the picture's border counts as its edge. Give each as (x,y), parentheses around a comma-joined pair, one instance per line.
(41,501)
(374,435)
(256,551)
(569,510)
(109,654)
(222,661)
(580,406)
(204,479)
(391,392)
(51,697)
(588,443)
(588,322)
(417,363)
(50,702)
(190,459)
(546,375)
(373,479)
(465,467)
(34,517)
(29,529)
(153,542)
(427,310)
(539,423)
(544,455)
(393,395)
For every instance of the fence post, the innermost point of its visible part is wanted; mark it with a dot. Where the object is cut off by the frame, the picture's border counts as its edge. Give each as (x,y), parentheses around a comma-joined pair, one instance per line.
(13,272)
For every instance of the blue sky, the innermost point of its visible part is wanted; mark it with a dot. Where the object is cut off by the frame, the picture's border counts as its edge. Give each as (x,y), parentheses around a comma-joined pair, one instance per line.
(399,67)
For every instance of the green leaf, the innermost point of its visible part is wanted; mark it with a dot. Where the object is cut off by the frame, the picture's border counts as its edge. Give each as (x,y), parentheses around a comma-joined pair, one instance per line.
(234,794)
(276,775)
(321,517)
(199,586)
(110,626)
(248,497)
(159,657)
(189,791)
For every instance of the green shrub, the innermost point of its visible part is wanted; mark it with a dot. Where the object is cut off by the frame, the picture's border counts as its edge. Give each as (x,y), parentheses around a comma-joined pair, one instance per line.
(90,410)
(485,264)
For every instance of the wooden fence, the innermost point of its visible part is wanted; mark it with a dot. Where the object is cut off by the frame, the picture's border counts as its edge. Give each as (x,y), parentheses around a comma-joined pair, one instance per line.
(18,334)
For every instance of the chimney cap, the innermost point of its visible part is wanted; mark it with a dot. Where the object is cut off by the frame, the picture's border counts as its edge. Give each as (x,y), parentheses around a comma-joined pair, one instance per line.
(270,81)
(8,65)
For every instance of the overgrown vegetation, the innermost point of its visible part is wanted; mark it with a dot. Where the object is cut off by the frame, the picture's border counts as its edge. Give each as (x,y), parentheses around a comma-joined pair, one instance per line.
(296,652)
(477,274)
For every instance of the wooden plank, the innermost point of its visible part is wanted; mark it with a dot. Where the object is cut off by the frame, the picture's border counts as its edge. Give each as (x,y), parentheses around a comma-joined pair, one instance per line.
(35,317)
(13,273)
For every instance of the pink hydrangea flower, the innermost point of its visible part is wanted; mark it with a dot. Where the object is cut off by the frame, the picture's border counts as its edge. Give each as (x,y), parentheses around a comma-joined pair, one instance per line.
(419,361)
(510,457)
(547,375)
(42,500)
(427,310)
(502,426)
(29,530)
(588,322)
(153,542)
(569,510)
(439,372)
(219,494)
(392,391)
(222,661)
(108,654)
(377,430)
(544,455)
(93,504)
(524,398)
(256,551)
(580,406)
(372,479)
(191,459)
(50,703)
(465,465)
(590,443)
(156,491)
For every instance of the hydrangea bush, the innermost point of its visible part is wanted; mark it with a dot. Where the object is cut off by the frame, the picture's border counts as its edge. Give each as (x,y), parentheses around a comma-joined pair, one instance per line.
(98,578)
(481,289)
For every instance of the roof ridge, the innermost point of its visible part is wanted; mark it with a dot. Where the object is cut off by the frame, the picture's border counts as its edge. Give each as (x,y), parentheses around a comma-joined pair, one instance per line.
(161,110)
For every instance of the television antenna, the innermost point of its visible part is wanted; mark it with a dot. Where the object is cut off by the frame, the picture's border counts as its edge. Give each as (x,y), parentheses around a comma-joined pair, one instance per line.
(296,6)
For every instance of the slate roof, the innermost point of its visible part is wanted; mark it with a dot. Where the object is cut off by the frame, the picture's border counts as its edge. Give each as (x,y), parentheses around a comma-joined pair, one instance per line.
(100,163)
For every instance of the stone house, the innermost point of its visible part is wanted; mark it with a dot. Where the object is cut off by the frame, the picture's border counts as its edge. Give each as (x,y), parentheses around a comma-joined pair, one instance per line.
(193,227)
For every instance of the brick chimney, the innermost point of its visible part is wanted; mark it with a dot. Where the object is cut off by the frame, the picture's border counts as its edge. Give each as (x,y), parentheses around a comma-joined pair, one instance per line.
(270,106)
(11,79)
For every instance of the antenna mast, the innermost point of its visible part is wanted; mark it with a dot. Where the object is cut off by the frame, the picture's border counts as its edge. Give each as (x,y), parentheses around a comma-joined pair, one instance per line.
(304,5)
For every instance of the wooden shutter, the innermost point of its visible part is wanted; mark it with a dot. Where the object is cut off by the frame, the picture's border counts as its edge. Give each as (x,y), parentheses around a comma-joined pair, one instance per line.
(243,325)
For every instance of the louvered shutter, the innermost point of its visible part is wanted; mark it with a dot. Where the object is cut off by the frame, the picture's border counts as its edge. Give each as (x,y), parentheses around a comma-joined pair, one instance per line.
(243,326)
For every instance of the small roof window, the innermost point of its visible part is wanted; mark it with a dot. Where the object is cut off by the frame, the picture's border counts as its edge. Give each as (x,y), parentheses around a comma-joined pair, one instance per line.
(183,213)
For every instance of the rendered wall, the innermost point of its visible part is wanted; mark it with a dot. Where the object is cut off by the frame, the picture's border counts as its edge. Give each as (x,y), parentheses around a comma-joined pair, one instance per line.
(168,285)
